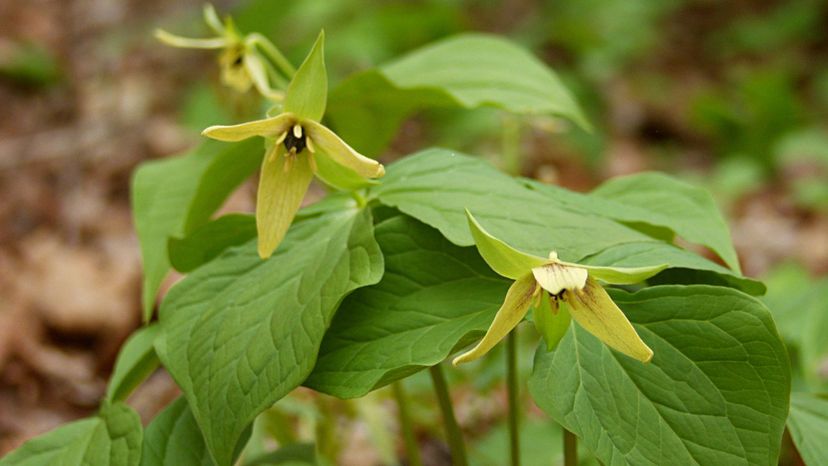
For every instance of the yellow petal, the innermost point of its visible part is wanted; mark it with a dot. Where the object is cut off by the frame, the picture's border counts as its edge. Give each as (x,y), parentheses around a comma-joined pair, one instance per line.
(279,197)
(269,127)
(514,308)
(328,142)
(188,43)
(595,311)
(556,277)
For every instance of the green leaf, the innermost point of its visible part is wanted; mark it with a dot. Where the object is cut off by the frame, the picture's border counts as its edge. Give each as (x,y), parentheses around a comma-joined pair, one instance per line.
(136,361)
(308,91)
(468,70)
(660,200)
(716,391)
(171,197)
(240,332)
(206,242)
(434,298)
(173,439)
(294,455)
(112,438)
(790,290)
(436,186)
(813,352)
(808,424)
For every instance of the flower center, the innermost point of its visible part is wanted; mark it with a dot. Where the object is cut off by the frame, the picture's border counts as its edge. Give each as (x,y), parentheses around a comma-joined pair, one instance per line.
(295,140)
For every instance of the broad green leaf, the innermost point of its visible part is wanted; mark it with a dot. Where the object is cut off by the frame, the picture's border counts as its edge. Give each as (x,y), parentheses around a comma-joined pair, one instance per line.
(434,298)
(716,391)
(173,439)
(206,242)
(663,201)
(170,197)
(240,332)
(135,362)
(112,438)
(436,186)
(808,424)
(468,70)
(308,91)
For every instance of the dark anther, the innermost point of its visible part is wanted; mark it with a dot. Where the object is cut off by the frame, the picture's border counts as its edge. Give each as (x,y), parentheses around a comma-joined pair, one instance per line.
(559,295)
(238,60)
(292,142)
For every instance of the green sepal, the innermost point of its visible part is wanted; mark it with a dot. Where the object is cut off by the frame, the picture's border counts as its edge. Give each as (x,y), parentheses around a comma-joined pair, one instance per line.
(307,93)
(502,258)
(621,275)
(339,177)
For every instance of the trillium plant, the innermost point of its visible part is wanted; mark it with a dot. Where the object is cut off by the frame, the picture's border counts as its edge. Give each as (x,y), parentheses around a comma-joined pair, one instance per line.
(642,352)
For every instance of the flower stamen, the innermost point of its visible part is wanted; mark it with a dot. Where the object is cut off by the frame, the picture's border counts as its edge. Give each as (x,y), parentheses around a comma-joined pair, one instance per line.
(295,141)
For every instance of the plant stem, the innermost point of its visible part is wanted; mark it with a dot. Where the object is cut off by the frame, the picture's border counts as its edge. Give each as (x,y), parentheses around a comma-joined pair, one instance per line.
(570,448)
(514,399)
(273,53)
(412,450)
(453,434)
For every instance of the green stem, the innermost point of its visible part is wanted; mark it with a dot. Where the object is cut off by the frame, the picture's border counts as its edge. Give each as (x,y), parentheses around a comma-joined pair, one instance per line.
(273,53)
(510,145)
(453,434)
(514,399)
(570,448)
(412,450)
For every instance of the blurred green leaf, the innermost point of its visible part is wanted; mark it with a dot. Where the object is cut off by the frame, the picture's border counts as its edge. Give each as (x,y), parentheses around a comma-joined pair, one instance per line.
(112,438)
(30,64)
(135,362)
(293,455)
(469,70)
(808,424)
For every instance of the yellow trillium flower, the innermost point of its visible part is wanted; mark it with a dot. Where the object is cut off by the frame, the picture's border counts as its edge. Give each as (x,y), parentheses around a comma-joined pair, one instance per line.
(298,146)
(241,60)
(552,285)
